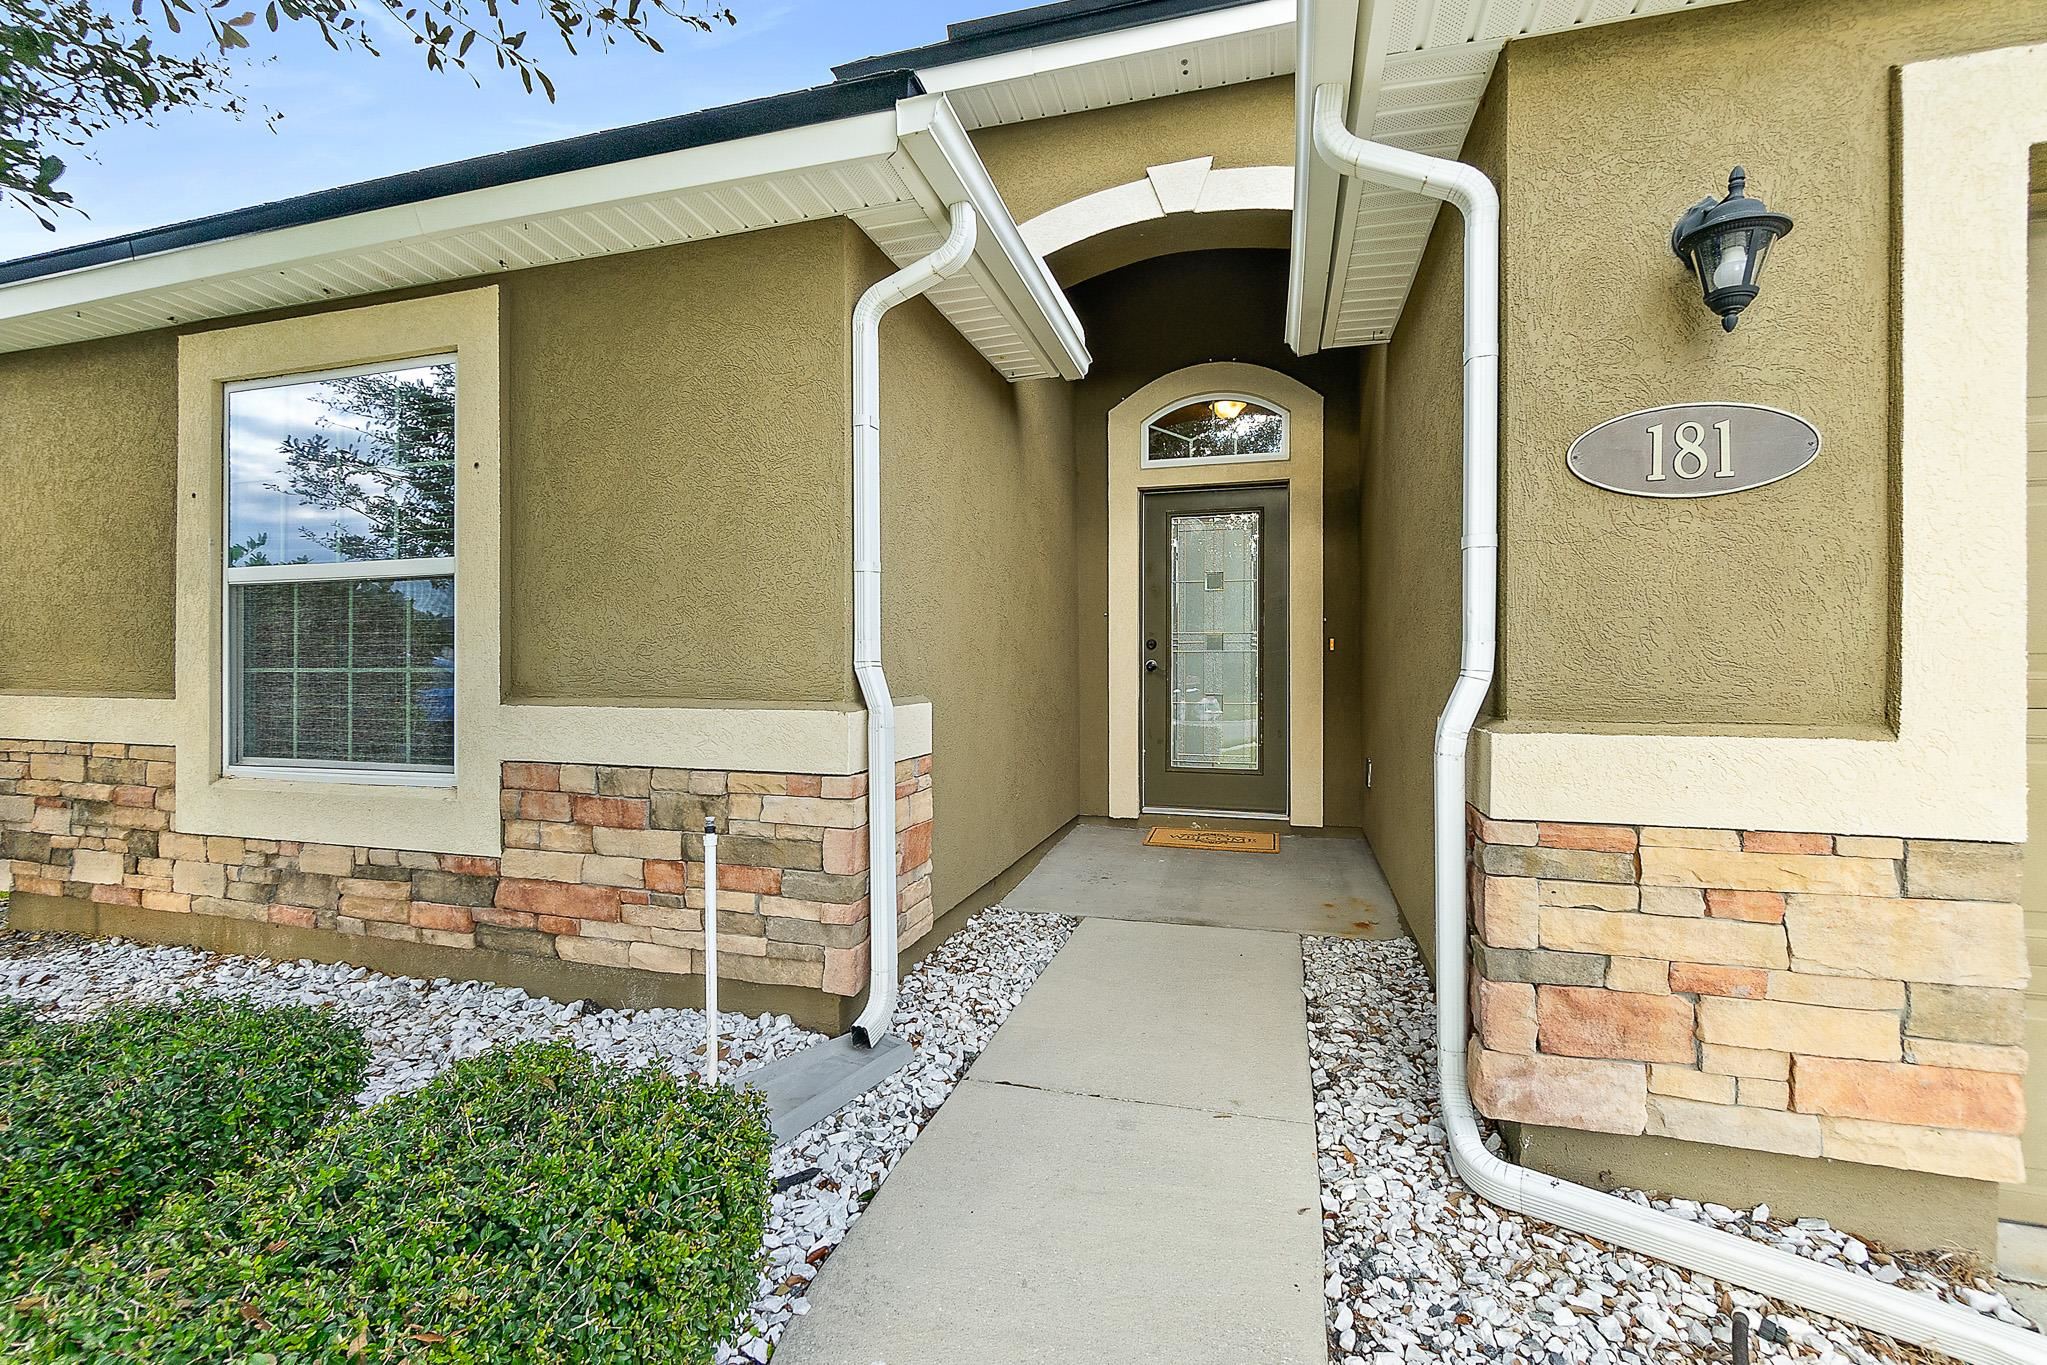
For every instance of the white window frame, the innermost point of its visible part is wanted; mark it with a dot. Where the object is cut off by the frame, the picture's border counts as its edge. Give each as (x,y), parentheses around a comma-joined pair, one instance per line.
(1286,433)
(438,566)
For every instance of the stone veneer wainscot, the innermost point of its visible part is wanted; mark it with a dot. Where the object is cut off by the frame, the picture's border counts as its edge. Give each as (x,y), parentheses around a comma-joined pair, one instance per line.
(601,865)
(1817,995)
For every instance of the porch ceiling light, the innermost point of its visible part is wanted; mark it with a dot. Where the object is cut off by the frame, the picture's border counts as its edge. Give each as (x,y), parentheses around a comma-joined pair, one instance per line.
(1723,242)
(1228,409)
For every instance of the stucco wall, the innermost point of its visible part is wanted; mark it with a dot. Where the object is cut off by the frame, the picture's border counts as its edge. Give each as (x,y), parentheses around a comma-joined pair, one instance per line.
(675,479)
(1411,514)
(977,552)
(89,468)
(676,472)
(1046,162)
(1773,607)
(1150,319)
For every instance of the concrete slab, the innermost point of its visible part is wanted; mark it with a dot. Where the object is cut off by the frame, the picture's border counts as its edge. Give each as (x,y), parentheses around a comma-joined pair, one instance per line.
(2029,1299)
(1126,1175)
(2022,1253)
(1313,885)
(1031,1227)
(808,1087)
(1209,1019)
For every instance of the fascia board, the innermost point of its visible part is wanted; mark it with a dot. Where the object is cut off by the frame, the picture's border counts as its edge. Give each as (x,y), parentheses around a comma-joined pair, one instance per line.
(863,137)
(941,154)
(1331,34)
(1366,68)
(1106,47)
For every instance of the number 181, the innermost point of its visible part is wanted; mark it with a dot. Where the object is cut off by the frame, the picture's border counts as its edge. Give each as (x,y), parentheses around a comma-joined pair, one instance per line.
(1691,451)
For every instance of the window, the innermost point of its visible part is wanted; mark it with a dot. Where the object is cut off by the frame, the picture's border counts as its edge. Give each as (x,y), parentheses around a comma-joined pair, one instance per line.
(1219,428)
(340,570)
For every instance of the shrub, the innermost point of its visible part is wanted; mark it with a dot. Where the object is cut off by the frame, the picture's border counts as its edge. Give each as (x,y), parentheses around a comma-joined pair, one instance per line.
(100,1120)
(530,1205)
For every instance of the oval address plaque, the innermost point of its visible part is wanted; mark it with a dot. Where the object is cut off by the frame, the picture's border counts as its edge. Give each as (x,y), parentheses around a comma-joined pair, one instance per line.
(1694,450)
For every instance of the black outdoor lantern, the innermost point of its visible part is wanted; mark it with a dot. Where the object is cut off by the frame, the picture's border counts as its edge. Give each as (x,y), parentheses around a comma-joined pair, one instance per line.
(1723,243)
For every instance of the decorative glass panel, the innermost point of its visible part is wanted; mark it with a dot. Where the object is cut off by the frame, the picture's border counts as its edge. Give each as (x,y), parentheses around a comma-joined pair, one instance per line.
(340,470)
(1216,429)
(350,672)
(1215,629)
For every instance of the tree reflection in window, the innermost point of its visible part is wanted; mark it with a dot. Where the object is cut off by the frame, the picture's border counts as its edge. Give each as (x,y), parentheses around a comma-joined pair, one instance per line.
(1218,427)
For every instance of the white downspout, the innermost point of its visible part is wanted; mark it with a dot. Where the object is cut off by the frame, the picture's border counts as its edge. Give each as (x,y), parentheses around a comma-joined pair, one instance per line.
(1837,1293)
(905,284)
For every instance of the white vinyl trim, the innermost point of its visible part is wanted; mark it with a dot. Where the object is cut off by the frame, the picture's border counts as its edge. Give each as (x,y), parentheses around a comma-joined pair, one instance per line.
(792,150)
(1130,44)
(888,171)
(1411,75)
(441,566)
(369,774)
(945,160)
(285,381)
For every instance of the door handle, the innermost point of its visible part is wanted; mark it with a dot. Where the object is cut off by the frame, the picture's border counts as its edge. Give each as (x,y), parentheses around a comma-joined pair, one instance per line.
(1151,665)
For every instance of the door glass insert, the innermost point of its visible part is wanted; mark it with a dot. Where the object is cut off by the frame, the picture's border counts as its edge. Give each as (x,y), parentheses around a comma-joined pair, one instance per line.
(1214,638)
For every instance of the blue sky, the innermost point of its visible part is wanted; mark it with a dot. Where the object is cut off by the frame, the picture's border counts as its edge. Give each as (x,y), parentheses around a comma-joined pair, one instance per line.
(349,116)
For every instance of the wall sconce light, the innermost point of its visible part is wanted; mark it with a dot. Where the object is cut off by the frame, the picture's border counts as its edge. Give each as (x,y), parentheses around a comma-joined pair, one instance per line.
(1723,242)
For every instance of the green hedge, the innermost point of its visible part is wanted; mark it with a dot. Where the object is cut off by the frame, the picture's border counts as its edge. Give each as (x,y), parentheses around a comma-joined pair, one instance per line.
(100,1120)
(530,1205)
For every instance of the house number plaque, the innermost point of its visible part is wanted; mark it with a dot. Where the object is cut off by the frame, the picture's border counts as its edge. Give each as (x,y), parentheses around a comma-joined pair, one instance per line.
(1694,450)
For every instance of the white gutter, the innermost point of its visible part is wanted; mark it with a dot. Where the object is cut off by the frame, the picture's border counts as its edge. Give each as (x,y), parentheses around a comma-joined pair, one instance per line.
(905,284)
(1839,1294)
(938,146)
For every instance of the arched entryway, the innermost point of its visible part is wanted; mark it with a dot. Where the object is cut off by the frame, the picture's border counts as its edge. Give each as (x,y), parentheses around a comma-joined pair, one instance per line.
(1239,733)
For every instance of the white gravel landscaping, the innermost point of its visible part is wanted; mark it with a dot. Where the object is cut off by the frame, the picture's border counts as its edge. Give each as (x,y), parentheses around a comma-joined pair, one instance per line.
(1420,1270)
(950,1006)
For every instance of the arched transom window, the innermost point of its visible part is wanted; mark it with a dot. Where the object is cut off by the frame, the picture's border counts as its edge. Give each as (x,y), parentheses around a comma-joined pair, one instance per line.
(1216,428)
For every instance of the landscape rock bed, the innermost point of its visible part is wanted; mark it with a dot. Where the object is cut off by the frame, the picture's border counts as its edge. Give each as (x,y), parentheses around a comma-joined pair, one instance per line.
(950,1006)
(1421,1270)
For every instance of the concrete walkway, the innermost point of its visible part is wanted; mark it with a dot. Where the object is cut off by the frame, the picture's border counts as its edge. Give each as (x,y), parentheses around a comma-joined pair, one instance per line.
(1313,885)
(1126,1175)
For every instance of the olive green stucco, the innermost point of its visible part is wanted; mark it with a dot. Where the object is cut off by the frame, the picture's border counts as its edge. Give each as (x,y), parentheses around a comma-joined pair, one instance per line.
(676,472)
(1044,163)
(1411,515)
(1906,1210)
(978,547)
(1773,607)
(89,465)
(675,497)
(1144,321)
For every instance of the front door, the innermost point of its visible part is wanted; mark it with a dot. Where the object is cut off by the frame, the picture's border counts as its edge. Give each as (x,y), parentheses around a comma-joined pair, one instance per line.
(1213,651)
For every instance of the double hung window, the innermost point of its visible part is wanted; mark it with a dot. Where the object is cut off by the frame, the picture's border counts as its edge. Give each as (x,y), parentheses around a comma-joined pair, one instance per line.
(340,570)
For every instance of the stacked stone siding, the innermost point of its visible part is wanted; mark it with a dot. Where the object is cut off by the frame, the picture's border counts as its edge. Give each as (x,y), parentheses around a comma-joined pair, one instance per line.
(601,865)
(1817,995)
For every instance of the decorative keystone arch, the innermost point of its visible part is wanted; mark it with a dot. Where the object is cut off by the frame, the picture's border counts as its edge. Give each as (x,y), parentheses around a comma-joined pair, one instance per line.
(1179,187)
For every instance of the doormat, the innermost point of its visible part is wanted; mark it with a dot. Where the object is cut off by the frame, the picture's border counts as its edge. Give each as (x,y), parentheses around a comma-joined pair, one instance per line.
(1221,840)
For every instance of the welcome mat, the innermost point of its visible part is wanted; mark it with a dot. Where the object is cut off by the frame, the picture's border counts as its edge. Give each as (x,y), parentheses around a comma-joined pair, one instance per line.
(1221,840)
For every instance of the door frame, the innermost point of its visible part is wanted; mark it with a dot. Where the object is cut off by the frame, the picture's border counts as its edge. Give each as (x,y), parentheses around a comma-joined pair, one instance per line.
(1260,794)
(1301,472)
